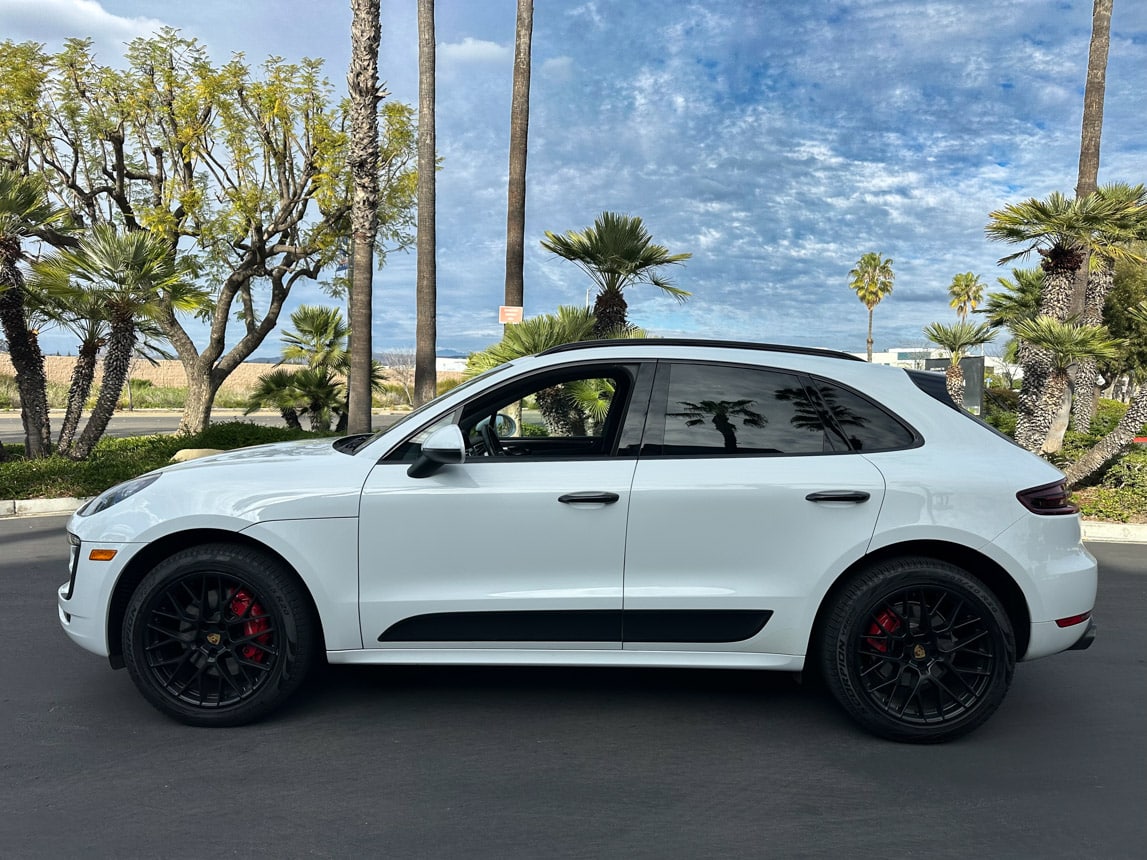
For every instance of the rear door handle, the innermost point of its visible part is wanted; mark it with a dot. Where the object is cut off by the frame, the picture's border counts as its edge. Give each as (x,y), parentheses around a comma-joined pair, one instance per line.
(838,496)
(590,498)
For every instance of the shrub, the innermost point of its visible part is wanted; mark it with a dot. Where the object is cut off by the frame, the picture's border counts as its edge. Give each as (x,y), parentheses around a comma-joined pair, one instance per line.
(1000,409)
(9,395)
(449,383)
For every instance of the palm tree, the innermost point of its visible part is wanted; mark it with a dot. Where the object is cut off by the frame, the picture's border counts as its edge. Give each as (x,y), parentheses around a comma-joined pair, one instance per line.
(363,89)
(1065,344)
(1120,438)
(83,315)
(136,277)
(723,415)
(1018,301)
(957,340)
(519,134)
(617,252)
(966,291)
(1131,226)
(277,390)
(564,408)
(24,208)
(1062,231)
(319,337)
(426,326)
(871,279)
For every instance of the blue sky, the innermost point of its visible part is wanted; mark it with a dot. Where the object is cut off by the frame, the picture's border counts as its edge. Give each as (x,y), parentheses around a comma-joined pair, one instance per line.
(776,141)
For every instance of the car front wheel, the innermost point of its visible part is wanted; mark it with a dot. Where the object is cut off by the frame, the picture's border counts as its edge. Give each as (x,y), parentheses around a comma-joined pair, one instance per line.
(218,635)
(917,650)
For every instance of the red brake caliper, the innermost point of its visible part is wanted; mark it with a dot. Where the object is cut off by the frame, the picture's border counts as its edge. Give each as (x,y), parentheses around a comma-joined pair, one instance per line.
(885,624)
(241,604)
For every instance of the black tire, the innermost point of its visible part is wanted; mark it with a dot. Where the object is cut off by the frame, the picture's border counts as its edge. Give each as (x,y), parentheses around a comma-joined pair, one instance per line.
(218,635)
(917,650)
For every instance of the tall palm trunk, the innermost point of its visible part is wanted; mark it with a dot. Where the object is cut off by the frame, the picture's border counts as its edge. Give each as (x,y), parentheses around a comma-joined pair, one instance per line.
(27,359)
(519,134)
(1093,94)
(117,363)
(869,341)
(954,381)
(426,326)
(362,83)
(610,313)
(1099,284)
(83,373)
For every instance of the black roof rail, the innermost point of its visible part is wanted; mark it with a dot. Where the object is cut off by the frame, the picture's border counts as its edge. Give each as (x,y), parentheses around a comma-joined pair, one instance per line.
(702,342)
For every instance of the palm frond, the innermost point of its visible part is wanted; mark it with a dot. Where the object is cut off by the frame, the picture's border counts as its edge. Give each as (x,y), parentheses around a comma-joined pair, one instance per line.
(1068,342)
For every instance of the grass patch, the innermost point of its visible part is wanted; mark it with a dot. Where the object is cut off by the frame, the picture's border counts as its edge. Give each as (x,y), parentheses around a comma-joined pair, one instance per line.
(116,460)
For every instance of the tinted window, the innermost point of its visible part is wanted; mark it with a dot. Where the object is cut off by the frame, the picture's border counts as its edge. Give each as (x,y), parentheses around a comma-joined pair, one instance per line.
(865,426)
(717,409)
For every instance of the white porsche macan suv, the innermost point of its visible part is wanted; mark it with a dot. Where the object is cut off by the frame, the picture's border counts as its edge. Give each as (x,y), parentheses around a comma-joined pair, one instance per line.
(669,503)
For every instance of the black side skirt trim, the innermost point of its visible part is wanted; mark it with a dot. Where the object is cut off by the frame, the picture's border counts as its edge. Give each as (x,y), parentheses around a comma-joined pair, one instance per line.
(606,625)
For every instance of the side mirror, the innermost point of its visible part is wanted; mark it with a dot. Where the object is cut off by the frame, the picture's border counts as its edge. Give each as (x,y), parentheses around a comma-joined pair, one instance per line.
(443,447)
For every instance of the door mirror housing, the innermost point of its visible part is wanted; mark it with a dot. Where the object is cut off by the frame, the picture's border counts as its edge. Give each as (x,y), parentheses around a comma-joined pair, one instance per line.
(445,446)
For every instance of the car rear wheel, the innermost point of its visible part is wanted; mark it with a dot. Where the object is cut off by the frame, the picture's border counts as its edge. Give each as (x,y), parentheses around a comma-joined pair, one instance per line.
(917,650)
(218,635)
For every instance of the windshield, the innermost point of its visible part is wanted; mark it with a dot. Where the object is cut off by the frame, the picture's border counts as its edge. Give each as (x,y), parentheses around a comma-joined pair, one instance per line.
(411,416)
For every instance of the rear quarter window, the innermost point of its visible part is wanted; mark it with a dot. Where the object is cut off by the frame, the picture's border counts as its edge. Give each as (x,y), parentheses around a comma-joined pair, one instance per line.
(862,424)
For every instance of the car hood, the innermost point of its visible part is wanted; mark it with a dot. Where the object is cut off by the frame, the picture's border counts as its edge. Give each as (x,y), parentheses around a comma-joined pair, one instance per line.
(236,489)
(285,452)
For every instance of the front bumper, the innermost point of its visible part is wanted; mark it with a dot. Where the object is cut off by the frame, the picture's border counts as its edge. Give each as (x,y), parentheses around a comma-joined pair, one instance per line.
(83,601)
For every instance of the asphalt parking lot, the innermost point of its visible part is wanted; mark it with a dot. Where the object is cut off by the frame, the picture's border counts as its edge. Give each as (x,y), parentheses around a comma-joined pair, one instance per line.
(552,763)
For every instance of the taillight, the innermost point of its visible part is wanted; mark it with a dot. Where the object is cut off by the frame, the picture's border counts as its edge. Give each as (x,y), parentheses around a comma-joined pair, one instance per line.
(1049,499)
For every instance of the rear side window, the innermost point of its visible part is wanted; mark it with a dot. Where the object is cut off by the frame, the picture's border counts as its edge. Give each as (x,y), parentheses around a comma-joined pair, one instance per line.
(860,423)
(727,410)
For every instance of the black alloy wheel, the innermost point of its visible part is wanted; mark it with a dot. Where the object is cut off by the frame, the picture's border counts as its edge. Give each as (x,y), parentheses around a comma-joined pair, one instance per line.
(918,650)
(218,635)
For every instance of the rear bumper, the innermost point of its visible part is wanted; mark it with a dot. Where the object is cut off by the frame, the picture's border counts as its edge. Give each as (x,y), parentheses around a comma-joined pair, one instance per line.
(1086,639)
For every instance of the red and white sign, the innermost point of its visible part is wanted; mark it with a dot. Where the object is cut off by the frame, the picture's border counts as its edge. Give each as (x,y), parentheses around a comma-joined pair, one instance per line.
(509,314)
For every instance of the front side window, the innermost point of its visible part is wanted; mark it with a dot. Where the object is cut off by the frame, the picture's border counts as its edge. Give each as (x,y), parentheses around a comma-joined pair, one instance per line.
(736,411)
(567,412)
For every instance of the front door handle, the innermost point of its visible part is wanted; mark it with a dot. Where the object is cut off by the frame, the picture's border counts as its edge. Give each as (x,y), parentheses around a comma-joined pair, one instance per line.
(590,498)
(838,496)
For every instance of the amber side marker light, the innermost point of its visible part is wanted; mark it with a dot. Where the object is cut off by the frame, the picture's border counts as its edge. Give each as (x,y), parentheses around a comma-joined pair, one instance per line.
(102,554)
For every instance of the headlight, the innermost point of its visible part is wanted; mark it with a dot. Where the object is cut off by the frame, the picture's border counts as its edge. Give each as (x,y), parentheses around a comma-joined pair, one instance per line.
(116,495)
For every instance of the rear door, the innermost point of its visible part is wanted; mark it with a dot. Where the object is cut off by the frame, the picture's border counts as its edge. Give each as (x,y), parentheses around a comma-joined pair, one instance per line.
(744,506)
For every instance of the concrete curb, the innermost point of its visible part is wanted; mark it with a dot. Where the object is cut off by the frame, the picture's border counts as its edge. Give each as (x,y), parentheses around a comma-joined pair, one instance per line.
(1093,530)
(38,507)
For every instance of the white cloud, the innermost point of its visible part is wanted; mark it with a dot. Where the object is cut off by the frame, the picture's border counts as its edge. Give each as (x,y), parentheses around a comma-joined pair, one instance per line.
(471,50)
(53,21)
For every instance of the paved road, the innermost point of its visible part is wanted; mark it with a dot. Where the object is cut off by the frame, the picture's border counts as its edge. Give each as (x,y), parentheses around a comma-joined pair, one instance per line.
(560,763)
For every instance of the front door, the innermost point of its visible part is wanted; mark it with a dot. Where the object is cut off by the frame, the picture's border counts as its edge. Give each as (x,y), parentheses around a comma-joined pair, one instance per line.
(522,545)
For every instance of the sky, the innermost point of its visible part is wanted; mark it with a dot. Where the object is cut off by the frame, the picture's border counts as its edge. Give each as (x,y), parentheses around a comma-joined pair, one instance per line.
(775,140)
